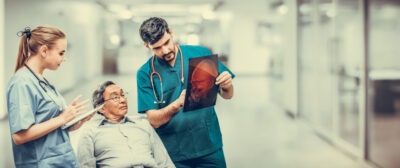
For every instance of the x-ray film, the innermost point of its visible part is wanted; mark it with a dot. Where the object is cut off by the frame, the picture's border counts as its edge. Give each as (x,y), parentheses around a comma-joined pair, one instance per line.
(201,90)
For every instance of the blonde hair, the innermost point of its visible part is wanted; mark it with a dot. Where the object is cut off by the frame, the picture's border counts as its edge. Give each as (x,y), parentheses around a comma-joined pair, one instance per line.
(32,40)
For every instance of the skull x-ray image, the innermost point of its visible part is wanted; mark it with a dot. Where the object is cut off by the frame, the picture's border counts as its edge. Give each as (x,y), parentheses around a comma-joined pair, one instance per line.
(201,90)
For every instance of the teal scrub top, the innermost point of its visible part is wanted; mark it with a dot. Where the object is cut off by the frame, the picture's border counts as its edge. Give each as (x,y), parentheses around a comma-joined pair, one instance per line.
(189,134)
(29,104)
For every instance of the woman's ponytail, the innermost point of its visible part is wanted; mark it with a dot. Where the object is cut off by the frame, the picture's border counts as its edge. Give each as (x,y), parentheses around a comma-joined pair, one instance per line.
(23,51)
(32,40)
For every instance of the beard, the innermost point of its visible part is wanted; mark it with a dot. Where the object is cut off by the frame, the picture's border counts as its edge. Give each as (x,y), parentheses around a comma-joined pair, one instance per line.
(169,57)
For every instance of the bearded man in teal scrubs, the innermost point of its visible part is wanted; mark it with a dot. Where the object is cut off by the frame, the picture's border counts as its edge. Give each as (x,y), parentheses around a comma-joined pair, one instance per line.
(192,138)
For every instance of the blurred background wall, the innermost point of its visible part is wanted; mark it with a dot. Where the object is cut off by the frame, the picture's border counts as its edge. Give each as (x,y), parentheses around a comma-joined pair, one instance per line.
(330,63)
(81,21)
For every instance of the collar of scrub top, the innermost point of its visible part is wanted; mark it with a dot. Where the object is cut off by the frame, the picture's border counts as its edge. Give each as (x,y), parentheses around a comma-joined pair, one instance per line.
(157,99)
(43,83)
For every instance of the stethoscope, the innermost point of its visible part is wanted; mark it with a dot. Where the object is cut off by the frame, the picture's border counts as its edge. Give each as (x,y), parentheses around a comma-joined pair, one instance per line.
(43,83)
(160,100)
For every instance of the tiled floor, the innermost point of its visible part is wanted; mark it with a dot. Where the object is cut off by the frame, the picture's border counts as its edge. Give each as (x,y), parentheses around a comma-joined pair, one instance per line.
(384,147)
(256,133)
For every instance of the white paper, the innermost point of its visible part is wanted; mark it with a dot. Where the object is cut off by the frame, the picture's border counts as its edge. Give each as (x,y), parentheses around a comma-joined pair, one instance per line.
(80,117)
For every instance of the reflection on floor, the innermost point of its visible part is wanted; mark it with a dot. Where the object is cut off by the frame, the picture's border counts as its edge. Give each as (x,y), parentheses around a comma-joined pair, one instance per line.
(385,138)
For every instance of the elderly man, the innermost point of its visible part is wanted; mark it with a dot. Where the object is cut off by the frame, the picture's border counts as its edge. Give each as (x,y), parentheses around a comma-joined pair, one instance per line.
(117,140)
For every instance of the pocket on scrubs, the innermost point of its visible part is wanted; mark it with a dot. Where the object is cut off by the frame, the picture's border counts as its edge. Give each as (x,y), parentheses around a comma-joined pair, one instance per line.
(200,137)
(170,141)
(61,155)
(214,129)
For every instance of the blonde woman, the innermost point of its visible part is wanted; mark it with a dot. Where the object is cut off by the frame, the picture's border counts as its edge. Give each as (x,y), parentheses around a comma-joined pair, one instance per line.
(36,109)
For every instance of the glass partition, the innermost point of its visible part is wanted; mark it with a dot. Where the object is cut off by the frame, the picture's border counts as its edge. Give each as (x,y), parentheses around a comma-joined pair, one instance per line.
(384,74)
(330,57)
(348,50)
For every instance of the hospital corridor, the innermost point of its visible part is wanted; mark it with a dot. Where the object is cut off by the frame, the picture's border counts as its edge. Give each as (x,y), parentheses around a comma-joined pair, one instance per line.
(316,82)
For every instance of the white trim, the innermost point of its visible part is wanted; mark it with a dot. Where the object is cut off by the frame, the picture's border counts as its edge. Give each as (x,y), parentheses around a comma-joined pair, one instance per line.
(363,88)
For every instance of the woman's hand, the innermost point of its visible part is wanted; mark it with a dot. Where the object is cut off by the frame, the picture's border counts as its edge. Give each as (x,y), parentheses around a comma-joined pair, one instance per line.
(80,123)
(73,110)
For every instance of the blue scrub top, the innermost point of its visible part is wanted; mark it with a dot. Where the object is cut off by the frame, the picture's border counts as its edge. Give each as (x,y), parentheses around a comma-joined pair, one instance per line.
(29,104)
(188,134)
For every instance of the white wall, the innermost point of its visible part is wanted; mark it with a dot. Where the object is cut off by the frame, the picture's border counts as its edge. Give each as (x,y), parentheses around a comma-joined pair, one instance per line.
(250,57)
(2,64)
(247,56)
(133,54)
(290,78)
(5,139)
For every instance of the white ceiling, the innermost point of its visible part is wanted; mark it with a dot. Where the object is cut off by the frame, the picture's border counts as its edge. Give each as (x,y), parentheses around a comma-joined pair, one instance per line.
(181,8)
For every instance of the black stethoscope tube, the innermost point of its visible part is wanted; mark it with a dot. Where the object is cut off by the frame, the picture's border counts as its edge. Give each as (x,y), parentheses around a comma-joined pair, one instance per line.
(41,82)
(43,85)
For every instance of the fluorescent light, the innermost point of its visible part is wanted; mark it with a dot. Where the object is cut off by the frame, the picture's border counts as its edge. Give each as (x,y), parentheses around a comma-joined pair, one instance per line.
(283,9)
(115,39)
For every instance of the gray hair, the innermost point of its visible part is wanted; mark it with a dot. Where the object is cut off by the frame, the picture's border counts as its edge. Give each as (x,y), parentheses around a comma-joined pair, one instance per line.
(97,96)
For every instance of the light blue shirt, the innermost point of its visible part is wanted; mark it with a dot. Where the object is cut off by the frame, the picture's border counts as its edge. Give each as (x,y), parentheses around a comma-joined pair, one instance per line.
(129,143)
(29,104)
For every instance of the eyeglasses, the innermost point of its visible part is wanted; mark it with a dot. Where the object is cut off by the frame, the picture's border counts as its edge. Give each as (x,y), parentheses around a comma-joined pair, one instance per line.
(117,98)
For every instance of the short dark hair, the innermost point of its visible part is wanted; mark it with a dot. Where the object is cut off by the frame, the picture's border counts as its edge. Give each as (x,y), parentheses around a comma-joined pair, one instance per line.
(153,29)
(97,96)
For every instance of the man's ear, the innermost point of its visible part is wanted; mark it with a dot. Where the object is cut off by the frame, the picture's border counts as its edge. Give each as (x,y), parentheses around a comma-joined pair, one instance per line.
(169,31)
(100,110)
(146,45)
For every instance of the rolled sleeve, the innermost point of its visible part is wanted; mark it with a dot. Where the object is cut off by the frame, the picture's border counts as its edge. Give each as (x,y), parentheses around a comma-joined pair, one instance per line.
(223,68)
